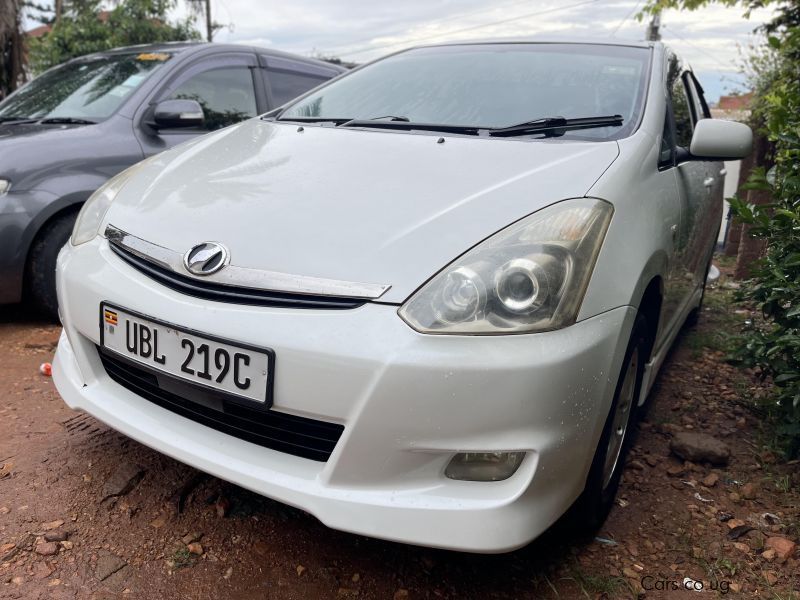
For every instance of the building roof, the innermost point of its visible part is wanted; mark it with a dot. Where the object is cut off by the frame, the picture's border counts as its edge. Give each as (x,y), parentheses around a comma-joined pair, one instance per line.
(735,101)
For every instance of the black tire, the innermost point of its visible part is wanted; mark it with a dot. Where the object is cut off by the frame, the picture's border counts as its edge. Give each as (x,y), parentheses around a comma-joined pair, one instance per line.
(592,508)
(40,273)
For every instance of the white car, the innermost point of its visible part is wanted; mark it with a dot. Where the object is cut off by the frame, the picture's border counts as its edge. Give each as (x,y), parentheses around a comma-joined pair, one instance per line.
(422,302)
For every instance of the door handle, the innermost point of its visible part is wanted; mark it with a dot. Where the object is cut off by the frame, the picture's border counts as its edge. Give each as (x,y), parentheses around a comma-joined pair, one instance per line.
(708,181)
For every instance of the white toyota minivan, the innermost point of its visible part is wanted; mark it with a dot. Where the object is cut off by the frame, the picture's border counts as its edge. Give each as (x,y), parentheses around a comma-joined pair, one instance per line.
(422,302)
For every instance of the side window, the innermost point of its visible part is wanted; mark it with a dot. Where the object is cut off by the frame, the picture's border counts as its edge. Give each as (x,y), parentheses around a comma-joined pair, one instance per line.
(700,107)
(287,85)
(681,112)
(227,95)
(667,143)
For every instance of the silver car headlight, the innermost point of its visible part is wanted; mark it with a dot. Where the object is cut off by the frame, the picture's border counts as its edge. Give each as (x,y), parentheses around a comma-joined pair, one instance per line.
(530,276)
(95,208)
(5,185)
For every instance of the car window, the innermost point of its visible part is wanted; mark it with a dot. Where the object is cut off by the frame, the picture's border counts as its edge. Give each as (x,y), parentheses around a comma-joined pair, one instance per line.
(490,85)
(667,144)
(227,95)
(287,85)
(698,102)
(681,111)
(91,88)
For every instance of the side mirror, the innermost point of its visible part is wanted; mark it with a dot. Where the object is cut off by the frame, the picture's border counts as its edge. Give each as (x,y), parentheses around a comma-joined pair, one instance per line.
(715,139)
(170,114)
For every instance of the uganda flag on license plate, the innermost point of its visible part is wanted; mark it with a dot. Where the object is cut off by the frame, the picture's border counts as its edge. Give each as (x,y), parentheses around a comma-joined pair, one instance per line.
(110,316)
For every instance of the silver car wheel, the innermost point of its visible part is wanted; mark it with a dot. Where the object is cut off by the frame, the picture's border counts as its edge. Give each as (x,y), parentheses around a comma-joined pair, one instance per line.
(619,424)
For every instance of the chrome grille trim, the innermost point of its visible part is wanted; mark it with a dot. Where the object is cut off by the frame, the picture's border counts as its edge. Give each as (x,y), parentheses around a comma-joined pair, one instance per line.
(243,277)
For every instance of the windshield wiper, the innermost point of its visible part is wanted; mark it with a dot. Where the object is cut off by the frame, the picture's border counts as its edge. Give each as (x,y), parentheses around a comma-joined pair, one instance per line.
(406,125)
(16,120)
(390,118)
(334,120)
(68,121)
(556,126)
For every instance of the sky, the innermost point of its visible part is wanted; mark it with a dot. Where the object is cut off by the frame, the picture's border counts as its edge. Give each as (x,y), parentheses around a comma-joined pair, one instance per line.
(361,30)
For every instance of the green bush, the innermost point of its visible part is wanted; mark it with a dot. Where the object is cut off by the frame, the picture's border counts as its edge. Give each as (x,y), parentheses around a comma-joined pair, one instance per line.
(774,344)
(775,288)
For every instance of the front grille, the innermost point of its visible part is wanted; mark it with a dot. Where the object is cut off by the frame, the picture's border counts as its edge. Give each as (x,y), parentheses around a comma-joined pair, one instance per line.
(299,436)
(233,295)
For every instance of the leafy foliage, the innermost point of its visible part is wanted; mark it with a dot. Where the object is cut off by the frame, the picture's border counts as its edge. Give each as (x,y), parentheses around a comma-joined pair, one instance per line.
(81,30)
(775,287)
(11,47)
(774,345)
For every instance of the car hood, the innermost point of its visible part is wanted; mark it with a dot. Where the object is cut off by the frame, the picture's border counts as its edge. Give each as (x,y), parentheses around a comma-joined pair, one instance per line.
(29,151)
(367,206)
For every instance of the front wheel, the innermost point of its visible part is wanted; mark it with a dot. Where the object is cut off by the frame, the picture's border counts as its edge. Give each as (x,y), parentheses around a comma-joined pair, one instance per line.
(609,461)
(41,269)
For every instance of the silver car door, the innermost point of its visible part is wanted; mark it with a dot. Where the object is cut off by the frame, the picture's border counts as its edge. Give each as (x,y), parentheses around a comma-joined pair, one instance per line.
(691,179)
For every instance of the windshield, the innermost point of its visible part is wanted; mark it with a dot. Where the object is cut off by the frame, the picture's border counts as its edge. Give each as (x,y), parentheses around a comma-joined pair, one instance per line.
(91,88)
(489,86)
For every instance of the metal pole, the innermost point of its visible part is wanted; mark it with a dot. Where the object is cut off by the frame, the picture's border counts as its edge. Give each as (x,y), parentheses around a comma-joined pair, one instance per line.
(653,28)
(209,27)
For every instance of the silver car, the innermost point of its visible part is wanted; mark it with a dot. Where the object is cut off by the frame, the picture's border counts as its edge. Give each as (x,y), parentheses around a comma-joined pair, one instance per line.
(424,301)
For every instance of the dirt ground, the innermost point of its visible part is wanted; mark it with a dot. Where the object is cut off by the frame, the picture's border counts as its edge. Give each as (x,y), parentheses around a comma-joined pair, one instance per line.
(173,532)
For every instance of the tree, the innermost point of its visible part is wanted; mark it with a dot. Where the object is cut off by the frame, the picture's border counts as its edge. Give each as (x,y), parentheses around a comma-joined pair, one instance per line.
(202,8)
(12,53)
(82,29)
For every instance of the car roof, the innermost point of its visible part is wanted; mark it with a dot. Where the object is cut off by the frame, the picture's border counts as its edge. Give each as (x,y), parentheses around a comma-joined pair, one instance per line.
(191,47)
(549,40)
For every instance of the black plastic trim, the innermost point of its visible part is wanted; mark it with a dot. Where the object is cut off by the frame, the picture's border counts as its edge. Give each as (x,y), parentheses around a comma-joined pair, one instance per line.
(291,434)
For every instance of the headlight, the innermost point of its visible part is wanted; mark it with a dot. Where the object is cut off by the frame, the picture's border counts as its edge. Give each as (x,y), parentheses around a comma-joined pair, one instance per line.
(531,276)
(95,208)
(5,185)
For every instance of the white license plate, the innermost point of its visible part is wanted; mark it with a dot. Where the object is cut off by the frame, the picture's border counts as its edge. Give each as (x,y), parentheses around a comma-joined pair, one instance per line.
(213,363)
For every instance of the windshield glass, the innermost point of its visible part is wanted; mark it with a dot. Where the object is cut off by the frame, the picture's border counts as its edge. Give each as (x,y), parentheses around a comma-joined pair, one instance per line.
(490,85)
(91,88)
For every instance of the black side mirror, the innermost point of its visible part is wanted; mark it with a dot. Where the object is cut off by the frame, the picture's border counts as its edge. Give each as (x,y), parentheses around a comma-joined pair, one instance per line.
(170,114)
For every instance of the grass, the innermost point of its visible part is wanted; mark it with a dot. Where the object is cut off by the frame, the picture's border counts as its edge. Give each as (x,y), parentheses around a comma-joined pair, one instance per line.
(715,341)
(787,595)
(783,483)
(592,585)
(718,324)
(724,261)
(182,558)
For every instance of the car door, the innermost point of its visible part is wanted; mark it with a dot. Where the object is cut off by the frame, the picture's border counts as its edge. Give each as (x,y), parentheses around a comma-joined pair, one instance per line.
(286,79)
(692,189)
(225,86)
(708,215)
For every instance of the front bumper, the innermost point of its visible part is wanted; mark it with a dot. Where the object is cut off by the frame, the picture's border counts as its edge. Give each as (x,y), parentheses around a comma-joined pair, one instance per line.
(408,403)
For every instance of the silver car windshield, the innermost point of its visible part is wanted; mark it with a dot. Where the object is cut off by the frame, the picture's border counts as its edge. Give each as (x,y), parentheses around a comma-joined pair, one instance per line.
(490,86)
(92,88)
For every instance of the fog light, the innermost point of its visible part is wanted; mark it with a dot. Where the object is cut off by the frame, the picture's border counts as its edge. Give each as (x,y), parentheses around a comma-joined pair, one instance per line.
(484,466)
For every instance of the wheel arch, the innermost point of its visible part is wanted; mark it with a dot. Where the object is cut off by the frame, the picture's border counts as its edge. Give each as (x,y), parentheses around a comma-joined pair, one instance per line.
(71,203)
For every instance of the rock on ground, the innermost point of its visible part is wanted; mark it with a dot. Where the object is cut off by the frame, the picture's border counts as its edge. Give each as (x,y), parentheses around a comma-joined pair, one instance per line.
(107,565)
(122,480)
(783,548)
(700,447)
